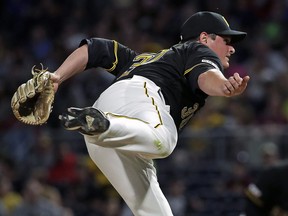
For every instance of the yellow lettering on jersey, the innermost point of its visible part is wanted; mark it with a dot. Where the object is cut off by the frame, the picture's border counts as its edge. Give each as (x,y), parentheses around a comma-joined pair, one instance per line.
(187,114)
(144,58)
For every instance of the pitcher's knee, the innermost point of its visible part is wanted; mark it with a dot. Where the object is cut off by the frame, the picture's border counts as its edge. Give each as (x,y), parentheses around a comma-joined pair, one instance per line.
(163,149)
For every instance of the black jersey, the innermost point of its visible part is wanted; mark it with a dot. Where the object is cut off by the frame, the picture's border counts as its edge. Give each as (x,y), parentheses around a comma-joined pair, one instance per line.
(174,70)
(270,191)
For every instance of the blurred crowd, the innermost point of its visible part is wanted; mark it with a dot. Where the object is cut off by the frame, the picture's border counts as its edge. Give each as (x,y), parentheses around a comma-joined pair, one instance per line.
(46,170)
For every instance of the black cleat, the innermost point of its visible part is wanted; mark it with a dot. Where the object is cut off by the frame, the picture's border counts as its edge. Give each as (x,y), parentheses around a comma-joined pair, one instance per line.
(88,120)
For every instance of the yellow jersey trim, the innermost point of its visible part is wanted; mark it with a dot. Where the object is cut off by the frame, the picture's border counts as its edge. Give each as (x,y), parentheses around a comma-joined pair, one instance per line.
(190,69)
(116,57)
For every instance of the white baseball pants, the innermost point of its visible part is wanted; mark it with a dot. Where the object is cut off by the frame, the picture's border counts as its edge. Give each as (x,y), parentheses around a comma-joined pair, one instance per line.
(141,129)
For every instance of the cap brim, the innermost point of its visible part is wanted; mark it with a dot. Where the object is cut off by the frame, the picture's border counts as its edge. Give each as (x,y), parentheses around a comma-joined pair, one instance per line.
(236,36)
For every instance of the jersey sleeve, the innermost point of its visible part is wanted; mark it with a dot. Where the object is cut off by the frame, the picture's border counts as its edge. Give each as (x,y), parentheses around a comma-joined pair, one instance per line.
(200,60)
(108,54)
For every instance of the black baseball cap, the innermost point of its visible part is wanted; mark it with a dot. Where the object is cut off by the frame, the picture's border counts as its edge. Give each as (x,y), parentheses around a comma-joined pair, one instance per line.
(210,22)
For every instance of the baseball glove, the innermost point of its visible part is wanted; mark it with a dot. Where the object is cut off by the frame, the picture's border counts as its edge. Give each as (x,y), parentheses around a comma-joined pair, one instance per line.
(32,102)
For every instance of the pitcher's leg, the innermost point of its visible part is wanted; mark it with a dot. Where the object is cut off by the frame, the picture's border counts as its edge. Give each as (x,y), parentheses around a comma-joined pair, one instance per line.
(134,135)
(139,119)
(134,178)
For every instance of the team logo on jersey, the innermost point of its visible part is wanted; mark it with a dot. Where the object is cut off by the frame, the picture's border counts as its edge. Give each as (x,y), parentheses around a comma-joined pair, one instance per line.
(187,113)
(211,63)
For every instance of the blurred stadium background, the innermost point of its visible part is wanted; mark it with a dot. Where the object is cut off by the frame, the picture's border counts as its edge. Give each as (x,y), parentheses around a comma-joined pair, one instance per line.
(46,169)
